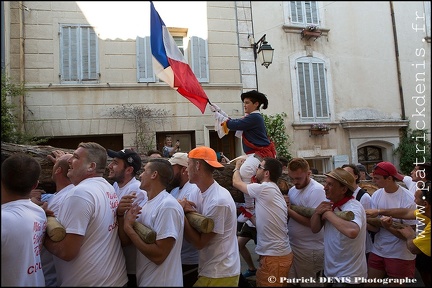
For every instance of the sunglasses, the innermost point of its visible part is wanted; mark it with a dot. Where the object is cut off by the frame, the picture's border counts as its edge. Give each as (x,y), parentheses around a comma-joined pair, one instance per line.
(376,166)
(261,167)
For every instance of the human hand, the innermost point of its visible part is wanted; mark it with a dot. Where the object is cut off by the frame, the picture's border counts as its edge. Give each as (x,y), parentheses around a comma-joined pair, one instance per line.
(188,206)
(57,154)
(36,196)
(125,203)
(47,211)
(131,215)
(239,163)
(386,221)
(323,207)
(407,232)
(287,201)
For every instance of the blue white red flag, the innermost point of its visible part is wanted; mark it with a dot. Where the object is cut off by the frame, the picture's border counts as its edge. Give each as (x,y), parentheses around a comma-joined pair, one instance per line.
(170,65)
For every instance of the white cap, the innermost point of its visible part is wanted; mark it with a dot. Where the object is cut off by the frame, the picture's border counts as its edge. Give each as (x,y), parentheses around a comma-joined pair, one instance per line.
(179,158)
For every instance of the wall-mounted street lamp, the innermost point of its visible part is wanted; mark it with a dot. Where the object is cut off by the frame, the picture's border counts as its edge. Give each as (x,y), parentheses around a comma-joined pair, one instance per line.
(263,49)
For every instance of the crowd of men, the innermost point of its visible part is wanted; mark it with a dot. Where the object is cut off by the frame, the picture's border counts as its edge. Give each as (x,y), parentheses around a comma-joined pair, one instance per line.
(335,245)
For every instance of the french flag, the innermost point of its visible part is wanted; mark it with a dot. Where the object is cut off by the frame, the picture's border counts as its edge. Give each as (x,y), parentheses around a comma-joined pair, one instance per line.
(169,64)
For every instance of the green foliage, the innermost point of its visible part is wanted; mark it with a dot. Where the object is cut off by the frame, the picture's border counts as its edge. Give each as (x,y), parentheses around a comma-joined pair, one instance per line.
(276,130)
(414,147)
(9,122)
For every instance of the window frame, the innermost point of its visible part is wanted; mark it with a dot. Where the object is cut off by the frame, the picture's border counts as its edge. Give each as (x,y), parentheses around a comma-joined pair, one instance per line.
(195,46)
(309,102)
(92,54)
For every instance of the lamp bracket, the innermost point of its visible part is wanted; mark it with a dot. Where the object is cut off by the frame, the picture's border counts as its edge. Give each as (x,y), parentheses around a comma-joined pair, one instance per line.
(258,44)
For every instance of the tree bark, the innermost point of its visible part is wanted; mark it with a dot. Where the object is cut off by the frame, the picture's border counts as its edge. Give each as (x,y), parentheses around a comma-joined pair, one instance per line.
(377,223)
(308,212)
(146,234)
(223,177)
(201,223)
(55,229)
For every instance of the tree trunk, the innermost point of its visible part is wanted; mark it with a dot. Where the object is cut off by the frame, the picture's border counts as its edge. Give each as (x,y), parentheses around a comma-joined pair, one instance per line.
(377,223)
(224,177)
(308,212)
(145,233)
(201,223)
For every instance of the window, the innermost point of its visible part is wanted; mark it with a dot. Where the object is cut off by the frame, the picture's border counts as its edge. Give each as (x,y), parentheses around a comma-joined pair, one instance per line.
(79,54)
(144,60)
(198,54)
(304,12)
(312,89)
(369,156)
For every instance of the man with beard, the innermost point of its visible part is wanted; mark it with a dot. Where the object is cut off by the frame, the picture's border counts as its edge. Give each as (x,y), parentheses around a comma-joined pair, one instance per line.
(123,168)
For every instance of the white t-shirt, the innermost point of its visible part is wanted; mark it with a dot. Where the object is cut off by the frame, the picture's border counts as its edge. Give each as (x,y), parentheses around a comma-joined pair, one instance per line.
(89,209)
(191,192)
(132,186)
(271,214)
(343,256)
(165,216)
(410,184)
(310,196)
(366,202)
(385,243)
(220,258)
(22,231)
(54,203)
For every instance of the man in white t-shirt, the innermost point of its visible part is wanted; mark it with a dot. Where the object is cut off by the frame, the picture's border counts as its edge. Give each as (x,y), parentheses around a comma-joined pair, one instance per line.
(271,211)
(23,223)
(219,258)
(418,176)
(344,240)
(123,168)
(158,264)
(362,196)
(389,256)
(91,253)
(183,189)
(308,247)
(55,201)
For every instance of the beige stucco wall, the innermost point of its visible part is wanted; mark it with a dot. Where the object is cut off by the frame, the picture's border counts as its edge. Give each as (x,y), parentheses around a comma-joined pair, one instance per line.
(358,46)
(56,109)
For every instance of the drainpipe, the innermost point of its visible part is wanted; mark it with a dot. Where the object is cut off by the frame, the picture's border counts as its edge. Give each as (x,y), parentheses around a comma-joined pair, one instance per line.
(253,34)
(401,97)
(21,116)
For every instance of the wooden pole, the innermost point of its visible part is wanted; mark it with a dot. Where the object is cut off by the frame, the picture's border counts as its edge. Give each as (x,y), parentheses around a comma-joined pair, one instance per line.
(146,234)
(201,223)
(377,223)
(55,230)
(308,212)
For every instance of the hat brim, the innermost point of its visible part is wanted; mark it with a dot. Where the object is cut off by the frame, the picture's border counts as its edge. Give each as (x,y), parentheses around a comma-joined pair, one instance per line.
(113,154)
(214,164)
(341,180)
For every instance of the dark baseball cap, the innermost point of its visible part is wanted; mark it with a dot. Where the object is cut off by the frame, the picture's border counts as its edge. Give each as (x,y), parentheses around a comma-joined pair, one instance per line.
(129,156)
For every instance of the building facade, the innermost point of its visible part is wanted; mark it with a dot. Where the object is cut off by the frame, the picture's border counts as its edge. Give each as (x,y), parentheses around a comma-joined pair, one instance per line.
(362,69)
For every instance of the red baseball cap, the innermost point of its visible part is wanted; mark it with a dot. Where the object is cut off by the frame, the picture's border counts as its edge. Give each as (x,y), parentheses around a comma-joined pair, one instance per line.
(387,169)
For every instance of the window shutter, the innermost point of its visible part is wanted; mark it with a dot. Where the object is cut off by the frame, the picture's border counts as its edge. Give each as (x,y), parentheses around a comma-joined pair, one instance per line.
(312,83)
(89,54)
(144,60)
(199,58)
(320,91)
(69,45)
